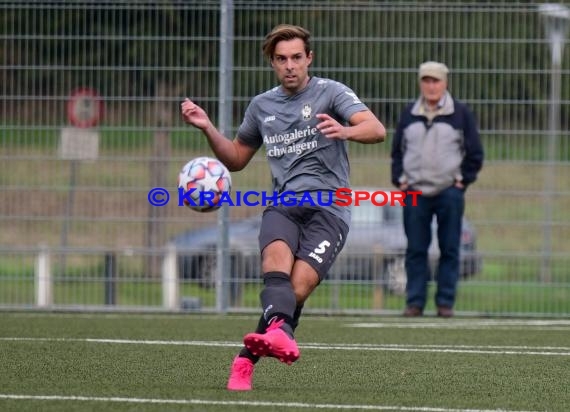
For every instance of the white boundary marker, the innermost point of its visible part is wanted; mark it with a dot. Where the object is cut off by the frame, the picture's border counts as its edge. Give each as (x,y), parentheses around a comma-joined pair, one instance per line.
(241,403)
(549,324)
(491,350)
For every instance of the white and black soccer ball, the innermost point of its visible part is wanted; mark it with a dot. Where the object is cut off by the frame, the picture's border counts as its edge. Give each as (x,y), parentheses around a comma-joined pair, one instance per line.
(205,178)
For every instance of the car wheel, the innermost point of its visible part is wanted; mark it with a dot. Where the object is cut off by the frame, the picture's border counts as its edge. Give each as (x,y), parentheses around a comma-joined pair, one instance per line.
(396,278)
(206,269)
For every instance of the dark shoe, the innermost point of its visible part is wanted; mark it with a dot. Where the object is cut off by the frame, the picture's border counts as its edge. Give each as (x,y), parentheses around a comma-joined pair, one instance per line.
(444,312)
(413,311)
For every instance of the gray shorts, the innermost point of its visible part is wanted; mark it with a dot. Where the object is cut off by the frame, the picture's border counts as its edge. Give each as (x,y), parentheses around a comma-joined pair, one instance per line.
(314,235)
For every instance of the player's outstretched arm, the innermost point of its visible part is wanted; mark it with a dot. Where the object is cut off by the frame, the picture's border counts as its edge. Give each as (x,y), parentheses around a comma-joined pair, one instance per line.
(234,154)
(364,128)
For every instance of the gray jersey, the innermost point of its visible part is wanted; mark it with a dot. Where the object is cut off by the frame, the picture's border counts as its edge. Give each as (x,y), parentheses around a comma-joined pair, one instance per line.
(301,159)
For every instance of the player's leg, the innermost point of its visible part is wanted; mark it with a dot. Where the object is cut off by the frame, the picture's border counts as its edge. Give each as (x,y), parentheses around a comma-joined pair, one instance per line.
(278,242)
(278,297)
(274,255)
(297,314)
(262,328)
(278,238)
(241,371)
(305,280)
(322,238)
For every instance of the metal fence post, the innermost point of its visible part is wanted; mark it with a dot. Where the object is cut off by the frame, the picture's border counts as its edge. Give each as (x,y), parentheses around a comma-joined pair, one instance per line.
(110,278)
(225,122)
(43,281)
(170,293)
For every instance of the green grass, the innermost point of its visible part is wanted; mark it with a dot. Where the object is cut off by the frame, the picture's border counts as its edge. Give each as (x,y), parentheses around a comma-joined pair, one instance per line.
(387,363)
(484,298)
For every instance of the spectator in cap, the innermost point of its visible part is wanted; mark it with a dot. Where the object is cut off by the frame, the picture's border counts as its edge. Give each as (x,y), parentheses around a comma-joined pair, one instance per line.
(436,150)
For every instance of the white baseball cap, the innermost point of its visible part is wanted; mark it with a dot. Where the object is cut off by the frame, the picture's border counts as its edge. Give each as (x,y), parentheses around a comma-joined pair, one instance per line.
(433,69)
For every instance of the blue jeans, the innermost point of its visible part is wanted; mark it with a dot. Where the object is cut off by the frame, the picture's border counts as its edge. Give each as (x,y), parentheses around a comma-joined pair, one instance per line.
(448,207)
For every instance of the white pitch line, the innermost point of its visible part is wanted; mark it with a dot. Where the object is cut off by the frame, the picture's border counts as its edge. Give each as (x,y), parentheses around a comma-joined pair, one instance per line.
(491,350)
(389,322)
(395,323)
(242,403)
(470,324)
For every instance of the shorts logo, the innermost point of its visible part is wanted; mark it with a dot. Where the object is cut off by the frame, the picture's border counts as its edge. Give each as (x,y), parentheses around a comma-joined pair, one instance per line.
(266,311)
(319,250)
(338,243)
(306,112)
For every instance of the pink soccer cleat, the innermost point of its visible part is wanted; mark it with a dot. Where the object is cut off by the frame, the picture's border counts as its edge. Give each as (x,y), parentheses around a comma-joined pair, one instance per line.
(274,342)
(241,374)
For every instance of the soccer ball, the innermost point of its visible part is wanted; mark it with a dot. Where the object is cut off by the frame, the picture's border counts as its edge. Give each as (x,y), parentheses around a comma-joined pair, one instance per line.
(201,183)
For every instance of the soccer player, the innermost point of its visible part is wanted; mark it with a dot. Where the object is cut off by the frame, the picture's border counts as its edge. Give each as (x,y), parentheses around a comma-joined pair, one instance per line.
(304,124)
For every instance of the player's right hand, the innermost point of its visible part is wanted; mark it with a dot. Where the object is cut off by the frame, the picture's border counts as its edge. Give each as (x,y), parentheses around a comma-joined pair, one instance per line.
(194,114)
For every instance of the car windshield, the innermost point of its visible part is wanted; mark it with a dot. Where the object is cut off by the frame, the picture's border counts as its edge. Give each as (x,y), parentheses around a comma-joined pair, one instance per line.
(367,212)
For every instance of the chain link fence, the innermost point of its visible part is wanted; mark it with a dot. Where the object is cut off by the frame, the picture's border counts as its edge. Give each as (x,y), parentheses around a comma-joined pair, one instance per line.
(90,123)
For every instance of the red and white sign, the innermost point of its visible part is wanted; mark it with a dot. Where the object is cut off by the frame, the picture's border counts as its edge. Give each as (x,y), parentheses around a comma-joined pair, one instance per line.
(84,108)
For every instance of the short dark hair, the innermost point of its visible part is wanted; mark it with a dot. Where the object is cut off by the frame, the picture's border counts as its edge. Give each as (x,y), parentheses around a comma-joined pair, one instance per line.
(285,32)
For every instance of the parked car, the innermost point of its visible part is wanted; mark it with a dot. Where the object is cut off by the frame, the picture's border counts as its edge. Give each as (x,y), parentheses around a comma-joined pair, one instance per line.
(374,249)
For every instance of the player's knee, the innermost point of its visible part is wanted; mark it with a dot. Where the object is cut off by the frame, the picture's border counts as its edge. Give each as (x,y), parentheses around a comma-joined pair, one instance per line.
(277,257)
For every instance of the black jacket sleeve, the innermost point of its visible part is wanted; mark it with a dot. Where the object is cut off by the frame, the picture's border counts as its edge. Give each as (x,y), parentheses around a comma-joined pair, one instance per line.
(473,156)
(397,153)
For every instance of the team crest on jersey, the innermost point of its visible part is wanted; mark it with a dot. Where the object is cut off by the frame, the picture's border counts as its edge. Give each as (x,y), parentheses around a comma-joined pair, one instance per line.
(306,112)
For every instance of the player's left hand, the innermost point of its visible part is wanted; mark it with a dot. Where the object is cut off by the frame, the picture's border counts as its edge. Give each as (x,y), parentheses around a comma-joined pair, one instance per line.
(330,127)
